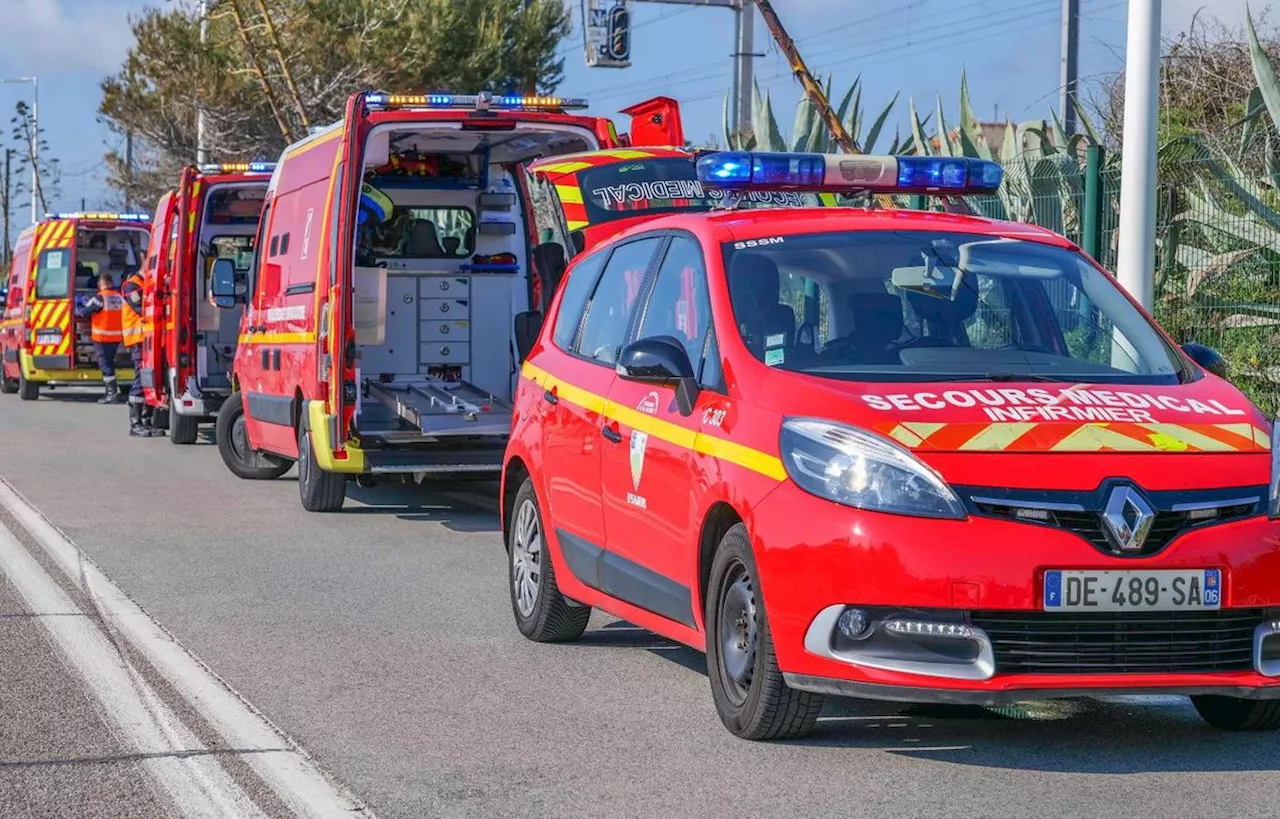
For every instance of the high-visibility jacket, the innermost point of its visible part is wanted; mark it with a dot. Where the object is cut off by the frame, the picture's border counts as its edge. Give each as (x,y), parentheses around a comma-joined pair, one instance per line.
(105,315)
(131,313)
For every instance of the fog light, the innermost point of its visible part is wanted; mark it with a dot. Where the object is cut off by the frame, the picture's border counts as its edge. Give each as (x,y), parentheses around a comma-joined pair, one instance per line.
(926,629)
(853,623)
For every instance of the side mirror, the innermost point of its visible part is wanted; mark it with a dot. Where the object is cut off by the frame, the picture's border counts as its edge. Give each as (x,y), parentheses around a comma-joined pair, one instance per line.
(662,362)
(528,326)
(1207,357)
(579,240)
(223,284)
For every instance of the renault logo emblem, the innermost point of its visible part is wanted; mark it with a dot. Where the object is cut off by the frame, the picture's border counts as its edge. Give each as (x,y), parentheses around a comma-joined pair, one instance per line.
(1127,518)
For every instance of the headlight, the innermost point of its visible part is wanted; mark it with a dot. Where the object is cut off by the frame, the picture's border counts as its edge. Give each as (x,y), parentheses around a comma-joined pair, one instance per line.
(1273,494)
(862,470)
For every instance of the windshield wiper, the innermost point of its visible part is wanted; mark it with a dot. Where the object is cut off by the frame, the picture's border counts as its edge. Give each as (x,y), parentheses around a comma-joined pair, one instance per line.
(1000,377)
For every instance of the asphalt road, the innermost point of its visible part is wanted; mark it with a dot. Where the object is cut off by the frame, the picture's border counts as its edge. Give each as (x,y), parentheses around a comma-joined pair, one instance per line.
(381,641)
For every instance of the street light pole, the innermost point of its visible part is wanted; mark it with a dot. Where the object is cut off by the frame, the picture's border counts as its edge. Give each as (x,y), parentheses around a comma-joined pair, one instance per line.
(202,148)
(1137,251)
(34,153)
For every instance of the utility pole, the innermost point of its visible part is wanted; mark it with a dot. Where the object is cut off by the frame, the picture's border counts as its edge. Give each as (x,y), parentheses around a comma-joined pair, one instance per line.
(1138,182)
(202,144)
(128,170)
(1069,78)
(743,82)
(8,204)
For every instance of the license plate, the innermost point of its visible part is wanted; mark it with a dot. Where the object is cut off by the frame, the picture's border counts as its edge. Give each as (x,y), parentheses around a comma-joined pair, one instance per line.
(1157,590)
(48,338)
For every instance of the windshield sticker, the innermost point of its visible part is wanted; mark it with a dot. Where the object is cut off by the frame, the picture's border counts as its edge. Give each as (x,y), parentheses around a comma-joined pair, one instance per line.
(774,357)
(777,340)
(1063,404)
(772,240)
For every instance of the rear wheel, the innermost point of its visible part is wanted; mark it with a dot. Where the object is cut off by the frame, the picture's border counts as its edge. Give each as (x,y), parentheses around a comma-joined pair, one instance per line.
(27,390)
(8,386)
(753,700)
(542,613)
(233,446)
(183,429)
(1235,714)
(320,491)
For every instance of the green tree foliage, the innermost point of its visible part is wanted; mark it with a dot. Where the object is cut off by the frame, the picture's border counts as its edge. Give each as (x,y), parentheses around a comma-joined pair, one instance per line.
(271,68)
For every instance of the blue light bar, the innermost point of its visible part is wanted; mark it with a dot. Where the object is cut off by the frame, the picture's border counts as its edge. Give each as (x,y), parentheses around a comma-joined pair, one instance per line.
(237,167)
(847,173)
(513,102)
(99,216)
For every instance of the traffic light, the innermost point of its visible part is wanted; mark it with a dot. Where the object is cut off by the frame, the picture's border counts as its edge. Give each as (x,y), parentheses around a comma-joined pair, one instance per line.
(619,40)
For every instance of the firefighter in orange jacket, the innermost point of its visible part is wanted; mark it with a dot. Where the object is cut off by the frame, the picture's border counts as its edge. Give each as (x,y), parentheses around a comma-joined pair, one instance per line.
(140,414)
(106,328)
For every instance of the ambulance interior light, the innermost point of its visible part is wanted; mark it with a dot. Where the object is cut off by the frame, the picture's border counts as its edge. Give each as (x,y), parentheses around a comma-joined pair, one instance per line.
(518,102)
(848,173)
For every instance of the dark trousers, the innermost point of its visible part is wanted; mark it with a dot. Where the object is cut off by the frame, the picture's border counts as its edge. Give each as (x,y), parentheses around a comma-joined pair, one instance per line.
(135,389)
(106,351)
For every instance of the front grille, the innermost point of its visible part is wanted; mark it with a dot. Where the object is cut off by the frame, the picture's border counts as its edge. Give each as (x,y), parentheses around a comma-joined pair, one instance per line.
(1032,642)
(1088,525)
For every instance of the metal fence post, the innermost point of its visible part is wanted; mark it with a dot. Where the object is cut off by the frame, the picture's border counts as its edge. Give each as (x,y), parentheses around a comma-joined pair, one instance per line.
(1091,233)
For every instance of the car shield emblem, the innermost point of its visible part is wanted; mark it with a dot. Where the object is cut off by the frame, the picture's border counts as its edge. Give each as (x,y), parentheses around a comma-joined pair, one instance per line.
(638,442)
(1127,518)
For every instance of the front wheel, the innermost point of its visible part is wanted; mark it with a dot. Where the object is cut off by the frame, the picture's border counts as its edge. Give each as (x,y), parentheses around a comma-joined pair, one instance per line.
(183,429)
(753,700)
(320,491)
(8,386)
(1235,714)
(543,614)
(233,445)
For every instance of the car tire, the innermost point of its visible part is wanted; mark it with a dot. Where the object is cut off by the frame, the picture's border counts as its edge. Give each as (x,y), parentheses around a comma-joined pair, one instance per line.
(183,429)
(1235,714)
(160,420)
(27,390)
(542,613)
(319,490)
(753,700)
(8,386)
(233,446)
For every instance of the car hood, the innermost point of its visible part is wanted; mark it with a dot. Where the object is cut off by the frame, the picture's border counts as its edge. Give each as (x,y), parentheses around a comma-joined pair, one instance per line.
(1206,415)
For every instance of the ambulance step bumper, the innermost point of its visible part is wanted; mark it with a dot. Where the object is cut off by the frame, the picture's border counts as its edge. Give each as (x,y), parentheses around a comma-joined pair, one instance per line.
(434,461)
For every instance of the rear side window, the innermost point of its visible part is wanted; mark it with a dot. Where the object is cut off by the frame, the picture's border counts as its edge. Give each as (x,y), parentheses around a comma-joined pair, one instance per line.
(577,287)
(605,329)
(53,276)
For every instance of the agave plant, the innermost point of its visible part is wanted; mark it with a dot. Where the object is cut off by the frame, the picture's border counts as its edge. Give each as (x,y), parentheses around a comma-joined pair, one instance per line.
(809,132)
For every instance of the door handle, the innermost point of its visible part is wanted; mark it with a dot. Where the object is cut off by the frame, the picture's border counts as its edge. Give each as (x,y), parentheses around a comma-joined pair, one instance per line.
(550,397)
(611,434)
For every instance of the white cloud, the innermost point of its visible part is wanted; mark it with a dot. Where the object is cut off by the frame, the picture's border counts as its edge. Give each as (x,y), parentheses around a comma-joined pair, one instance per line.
(47,36)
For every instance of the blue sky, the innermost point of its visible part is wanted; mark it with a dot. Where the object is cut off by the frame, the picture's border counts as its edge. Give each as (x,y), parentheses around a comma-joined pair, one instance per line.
(919,47)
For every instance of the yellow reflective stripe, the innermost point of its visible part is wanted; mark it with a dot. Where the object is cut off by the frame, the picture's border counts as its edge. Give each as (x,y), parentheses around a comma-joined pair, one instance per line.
(569,194)
(565,167)
(575,224)
(306,146)
(277,338)
(700,442)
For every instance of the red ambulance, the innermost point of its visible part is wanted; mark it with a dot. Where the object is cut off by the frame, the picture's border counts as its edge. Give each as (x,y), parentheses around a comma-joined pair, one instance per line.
(890,454)
(189,345)
(396,253)
(56,264)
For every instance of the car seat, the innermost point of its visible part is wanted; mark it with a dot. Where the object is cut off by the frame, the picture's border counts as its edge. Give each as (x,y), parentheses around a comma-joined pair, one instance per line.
(877,324)
(755,289)
(423,243)
(944,318)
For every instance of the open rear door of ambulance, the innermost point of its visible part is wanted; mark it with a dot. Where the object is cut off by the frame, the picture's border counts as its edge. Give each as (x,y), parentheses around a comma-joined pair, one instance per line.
(656,123)
(53,283)
(157,309)
(336,328)
(185,280)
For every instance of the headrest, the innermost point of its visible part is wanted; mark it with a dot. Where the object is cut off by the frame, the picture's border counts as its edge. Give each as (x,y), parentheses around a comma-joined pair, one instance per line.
(877,318)
(756,277)
(943,310)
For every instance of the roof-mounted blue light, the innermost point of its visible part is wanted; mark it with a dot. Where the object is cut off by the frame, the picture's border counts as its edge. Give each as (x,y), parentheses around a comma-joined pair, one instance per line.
(101,216)
(480,102)
(845,173)
(237,167)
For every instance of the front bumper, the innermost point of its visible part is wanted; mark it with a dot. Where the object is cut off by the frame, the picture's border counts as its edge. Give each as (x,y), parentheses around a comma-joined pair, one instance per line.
(815,559)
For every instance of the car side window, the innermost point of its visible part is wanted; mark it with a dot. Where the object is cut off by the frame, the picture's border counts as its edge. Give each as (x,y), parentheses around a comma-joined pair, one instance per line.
(578,284)
(255,266)
(604,330)
(679,305)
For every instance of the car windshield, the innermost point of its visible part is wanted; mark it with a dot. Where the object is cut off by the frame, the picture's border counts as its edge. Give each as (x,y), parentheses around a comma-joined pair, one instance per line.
(933,306)
(652,187)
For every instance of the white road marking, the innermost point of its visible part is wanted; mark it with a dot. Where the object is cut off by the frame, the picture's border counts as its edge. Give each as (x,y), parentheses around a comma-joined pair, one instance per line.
(197,784)
(296,780)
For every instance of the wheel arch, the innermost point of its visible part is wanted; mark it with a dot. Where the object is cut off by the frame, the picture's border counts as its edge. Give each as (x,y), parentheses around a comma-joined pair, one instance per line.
(719,518)
(514,474)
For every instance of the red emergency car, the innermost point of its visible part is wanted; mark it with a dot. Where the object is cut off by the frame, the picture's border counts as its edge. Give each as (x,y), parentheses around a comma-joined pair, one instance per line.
(56,265)
(890,454)
(189,345)
(395,251)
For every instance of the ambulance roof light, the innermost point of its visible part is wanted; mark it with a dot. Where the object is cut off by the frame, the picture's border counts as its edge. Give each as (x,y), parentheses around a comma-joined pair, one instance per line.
(99,216)
(847,173)
(515,102)
(237,167)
